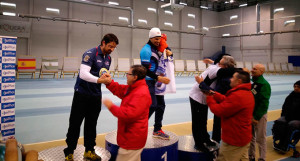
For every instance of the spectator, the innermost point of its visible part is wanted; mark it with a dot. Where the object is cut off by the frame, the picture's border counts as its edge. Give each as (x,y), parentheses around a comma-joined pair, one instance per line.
(235,109)
(289,120)
(132,114)
(261,90)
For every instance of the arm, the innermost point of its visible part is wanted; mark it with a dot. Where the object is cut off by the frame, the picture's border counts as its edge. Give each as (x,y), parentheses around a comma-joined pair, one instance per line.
(130,110)
(117,89)
(145,55)
(87,76)
(287,103)
(226,107)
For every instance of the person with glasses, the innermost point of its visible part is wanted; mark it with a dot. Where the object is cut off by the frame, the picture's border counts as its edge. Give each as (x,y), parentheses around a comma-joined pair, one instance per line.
(132,114)
(289,120)
(86,103)
(149,59)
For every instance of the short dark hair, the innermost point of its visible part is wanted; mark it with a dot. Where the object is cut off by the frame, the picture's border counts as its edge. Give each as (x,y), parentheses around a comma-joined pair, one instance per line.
(243,75)
(139,70)
(110,38)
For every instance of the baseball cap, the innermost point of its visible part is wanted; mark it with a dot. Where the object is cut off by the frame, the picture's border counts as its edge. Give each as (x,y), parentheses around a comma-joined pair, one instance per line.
(154,32)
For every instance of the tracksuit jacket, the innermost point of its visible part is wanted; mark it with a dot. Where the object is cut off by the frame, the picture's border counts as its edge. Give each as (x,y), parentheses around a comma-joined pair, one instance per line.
(261,90)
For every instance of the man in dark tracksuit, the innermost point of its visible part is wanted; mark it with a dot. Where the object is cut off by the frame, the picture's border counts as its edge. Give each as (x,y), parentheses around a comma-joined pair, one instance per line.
(149,59)
(87,98)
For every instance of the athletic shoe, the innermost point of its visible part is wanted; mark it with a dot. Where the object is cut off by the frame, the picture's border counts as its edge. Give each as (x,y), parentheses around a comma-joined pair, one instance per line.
(69,157)
(161,135)
(91,156)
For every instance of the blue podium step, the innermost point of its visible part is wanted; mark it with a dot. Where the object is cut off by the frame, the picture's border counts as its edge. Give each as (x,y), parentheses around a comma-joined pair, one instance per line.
(187,152)
(155,149)
(57,153)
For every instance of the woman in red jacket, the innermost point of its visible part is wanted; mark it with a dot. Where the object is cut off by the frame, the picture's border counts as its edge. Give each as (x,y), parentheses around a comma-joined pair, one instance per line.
(132,114)
(235,109)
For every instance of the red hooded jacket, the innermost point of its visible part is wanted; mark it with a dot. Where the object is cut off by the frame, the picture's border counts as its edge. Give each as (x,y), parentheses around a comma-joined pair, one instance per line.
(132,114)
(236,111)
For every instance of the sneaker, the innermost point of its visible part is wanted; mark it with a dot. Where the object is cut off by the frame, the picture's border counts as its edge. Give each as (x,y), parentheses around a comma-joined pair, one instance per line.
(69,157)
(91,156)
(161,135)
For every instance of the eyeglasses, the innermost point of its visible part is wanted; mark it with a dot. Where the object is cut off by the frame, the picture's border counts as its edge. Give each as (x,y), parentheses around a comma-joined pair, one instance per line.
(128,74)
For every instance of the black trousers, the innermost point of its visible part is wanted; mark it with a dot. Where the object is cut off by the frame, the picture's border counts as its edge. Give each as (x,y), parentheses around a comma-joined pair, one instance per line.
(88,108)
(158,105)
(216,133)
(199,122)
(282,131)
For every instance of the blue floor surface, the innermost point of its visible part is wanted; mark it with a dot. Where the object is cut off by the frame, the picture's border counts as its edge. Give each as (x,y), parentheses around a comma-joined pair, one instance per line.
(43,106)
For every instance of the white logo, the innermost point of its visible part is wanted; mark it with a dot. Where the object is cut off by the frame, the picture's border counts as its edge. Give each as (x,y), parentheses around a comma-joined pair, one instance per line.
(8,105)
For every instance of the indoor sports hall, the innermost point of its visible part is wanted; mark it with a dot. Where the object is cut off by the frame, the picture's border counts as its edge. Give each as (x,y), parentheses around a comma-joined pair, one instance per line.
(42,47)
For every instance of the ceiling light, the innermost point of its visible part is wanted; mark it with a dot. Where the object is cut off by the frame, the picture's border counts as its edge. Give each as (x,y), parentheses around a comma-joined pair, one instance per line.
(151,10)
(8,4)
(205,28)
(226,35)
(233,17)
(289,22)
(113,3)
(123,19)
(191,15)
(226,2)
(231,1)
(204,7)
(278,10)
(8,14)
(168,24)
(183,3)
(191,27)
(142,21)
(168,12)
(243,5)
(55,10)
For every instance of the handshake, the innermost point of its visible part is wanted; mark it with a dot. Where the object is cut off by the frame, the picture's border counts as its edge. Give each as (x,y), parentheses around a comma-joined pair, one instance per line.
(105,77)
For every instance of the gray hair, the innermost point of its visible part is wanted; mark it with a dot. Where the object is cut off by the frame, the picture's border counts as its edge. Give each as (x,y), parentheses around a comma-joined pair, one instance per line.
(229,61)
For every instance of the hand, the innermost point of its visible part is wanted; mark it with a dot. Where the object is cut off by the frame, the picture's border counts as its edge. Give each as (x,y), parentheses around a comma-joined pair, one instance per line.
(164,80)
(198,79)
(246,70)
(208,61)
(107,102)
(254,122)
(169,52)
(105,78)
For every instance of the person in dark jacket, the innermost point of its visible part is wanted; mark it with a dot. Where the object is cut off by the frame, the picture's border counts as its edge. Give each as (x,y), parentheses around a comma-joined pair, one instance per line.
(132,114)
(289,120)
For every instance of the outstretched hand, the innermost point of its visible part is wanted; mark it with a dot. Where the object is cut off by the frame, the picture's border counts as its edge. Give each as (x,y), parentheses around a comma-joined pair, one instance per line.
(107,102)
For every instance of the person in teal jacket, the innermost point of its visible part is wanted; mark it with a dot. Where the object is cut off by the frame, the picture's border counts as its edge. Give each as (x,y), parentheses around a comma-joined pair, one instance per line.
(261,90)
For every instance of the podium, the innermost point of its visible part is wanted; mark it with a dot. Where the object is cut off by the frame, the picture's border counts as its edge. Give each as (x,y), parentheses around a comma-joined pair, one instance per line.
(187,152)
(57,153)
(155,149)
